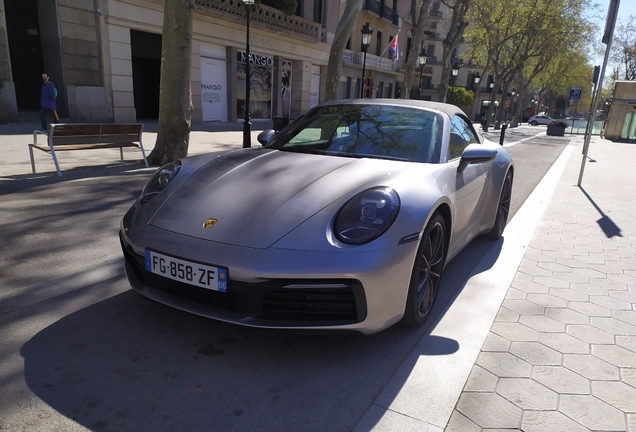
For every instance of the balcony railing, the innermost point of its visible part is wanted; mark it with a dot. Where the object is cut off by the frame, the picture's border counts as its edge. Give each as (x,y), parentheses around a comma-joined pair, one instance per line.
(264,17)
(373,61)
(382,11)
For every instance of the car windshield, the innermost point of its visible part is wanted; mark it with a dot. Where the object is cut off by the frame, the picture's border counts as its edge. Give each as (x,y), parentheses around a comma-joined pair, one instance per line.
(374,131)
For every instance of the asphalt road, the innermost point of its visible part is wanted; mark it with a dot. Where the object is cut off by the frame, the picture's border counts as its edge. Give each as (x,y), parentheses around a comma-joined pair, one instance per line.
(81,351)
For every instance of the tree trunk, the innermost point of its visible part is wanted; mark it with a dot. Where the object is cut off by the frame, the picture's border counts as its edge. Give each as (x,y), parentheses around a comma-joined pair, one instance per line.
(519,105)
(343,31)
(443,83)
(417,33)
(502,105)
(175,101)
(491,104)
(456,30)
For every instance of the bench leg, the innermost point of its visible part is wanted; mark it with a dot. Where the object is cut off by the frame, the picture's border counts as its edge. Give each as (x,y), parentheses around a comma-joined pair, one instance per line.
(143,153)
(57,165)
(32,160)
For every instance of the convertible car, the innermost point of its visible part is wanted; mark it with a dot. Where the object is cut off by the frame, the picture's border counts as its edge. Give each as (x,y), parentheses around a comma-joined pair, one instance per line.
(344,220)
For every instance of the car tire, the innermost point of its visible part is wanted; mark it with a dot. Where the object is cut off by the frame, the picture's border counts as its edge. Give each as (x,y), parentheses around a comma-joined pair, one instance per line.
(427,273)
(503,208)
(534,123)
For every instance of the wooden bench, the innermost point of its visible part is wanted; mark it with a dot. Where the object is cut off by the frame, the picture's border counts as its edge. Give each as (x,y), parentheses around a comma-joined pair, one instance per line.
(85,136)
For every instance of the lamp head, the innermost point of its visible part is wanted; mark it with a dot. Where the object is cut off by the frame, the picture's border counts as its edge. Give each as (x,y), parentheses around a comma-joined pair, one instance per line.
(422,57)
(455,66)
(367,31)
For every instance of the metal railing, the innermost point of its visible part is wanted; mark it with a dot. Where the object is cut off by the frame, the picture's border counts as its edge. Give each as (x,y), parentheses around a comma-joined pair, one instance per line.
(373,61)
(264,17)
(382,11)
(578,127)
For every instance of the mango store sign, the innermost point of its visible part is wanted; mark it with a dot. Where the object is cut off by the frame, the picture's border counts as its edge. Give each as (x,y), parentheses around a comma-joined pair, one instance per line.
(256,59)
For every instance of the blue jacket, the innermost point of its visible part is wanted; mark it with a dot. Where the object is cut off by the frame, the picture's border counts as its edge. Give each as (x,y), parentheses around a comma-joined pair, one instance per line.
(48,95)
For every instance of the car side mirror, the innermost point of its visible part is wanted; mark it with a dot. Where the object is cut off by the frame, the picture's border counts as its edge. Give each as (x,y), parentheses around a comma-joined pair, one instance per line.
(265,136)
(476,153)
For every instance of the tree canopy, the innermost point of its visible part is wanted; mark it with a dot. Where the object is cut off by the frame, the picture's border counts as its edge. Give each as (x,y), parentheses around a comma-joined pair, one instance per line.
(624,49)
(519,39)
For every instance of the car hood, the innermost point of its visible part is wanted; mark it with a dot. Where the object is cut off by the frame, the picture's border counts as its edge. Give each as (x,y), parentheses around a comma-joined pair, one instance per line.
(258,196)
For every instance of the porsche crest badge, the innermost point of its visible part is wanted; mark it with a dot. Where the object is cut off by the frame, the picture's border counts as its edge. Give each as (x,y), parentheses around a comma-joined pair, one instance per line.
(208,223)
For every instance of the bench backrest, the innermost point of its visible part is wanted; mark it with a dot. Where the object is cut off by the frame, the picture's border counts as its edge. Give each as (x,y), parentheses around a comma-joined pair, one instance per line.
(85,133)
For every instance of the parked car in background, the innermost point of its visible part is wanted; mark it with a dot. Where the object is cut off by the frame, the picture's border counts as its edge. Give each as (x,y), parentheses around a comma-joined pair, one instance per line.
(344,220)
(540,120)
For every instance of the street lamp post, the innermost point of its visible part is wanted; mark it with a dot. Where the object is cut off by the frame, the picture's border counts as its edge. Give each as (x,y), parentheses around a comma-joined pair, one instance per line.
(247,126)
(477,79)
(491,86)
(475,100)
(367,31)
(422,60)
(512,103)
(454,73)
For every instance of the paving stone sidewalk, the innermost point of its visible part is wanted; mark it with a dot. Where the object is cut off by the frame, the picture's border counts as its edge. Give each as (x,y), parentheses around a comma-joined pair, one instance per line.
(561,355)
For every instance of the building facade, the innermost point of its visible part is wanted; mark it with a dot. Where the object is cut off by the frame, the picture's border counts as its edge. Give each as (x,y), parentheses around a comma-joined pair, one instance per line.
(621,119)
(104,57)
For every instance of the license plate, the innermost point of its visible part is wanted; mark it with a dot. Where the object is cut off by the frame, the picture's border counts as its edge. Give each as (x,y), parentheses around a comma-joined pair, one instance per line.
(193,273)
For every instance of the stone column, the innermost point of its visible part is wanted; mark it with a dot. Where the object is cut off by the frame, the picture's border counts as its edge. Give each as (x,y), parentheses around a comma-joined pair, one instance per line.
(8,103)
(301,87)
(232,82)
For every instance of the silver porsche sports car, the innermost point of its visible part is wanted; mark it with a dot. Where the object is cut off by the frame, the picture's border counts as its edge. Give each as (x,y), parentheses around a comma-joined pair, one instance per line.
(344,220)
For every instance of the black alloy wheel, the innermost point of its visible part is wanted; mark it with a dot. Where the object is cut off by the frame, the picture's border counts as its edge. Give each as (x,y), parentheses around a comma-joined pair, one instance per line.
(503,209)
(427,272)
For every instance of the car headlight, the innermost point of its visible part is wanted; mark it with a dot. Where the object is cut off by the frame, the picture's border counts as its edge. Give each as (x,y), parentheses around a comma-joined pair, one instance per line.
(367,215)
(159,180)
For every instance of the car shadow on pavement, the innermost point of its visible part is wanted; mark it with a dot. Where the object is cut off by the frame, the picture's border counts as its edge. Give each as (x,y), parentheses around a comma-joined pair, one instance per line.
(128,363)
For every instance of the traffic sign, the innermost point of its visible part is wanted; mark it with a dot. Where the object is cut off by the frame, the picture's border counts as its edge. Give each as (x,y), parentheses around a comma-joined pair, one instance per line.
(574,93)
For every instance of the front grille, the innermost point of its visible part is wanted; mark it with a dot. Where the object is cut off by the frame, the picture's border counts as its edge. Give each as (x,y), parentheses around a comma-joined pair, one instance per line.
(301,304)
(288,302)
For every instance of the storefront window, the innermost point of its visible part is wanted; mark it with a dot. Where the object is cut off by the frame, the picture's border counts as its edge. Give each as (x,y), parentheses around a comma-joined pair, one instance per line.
(629,126)
(626,125)
(260,87)
(286,89)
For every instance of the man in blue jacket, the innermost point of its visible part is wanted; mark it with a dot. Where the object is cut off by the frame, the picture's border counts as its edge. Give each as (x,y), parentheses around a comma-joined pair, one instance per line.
(47,101)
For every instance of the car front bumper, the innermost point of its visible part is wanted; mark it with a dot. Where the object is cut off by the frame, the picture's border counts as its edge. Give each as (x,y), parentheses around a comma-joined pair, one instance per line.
(277,288)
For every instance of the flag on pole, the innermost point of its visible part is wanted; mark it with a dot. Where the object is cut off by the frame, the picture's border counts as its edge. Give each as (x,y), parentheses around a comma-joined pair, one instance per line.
(393,48)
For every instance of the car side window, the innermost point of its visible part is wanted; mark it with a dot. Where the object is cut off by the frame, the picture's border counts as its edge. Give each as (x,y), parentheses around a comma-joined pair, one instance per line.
(461,134)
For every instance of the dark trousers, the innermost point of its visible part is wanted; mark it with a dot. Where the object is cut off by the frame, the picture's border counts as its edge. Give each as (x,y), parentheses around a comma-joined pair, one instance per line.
(44,112)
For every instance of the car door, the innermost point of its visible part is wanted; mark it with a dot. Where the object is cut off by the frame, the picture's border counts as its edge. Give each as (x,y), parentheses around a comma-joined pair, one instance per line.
(469,184)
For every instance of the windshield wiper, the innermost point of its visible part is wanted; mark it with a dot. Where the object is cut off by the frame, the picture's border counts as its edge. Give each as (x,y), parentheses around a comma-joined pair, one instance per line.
(302,150)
